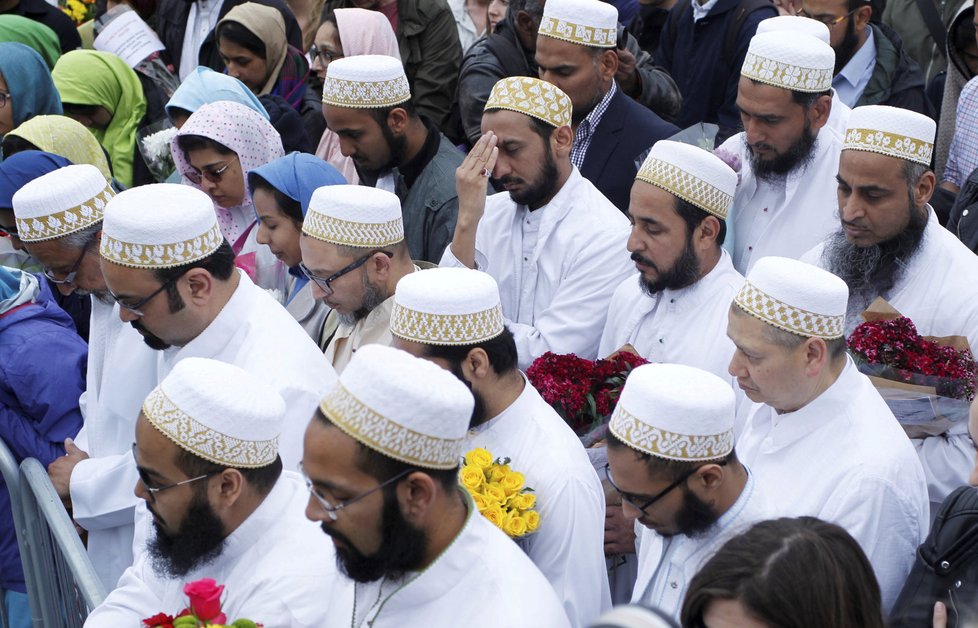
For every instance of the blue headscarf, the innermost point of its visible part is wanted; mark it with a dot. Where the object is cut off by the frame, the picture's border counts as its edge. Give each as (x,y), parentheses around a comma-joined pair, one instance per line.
(204,86)
(20,169)
(297,175)
(28,79)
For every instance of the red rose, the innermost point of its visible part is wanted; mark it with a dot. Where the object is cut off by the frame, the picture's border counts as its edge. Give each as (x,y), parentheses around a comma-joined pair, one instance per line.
(205,599)
(160,620)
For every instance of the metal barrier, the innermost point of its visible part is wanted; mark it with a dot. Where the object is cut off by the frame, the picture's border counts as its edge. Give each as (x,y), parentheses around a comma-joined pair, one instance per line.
(11,477)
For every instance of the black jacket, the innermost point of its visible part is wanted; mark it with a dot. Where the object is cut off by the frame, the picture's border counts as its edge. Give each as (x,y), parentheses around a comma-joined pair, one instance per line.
(897,80)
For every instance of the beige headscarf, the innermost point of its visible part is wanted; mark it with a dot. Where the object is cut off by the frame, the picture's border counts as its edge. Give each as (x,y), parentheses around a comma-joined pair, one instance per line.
(267,24)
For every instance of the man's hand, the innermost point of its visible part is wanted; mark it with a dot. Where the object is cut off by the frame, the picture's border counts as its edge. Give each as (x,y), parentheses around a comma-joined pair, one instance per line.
(619,532)
(787,7)
(940,615)
(470,184)
(627,76)
(60,470)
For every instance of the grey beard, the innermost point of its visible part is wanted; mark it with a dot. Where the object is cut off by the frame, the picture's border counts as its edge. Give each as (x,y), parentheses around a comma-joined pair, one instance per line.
(373,296)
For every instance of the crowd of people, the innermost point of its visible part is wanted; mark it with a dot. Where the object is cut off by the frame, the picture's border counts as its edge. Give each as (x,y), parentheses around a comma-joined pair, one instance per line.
(269,294)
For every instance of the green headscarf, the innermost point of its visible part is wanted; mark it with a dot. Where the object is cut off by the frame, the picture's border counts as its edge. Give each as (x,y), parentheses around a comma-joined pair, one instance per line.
(89,77)
(31,33)
(64,136)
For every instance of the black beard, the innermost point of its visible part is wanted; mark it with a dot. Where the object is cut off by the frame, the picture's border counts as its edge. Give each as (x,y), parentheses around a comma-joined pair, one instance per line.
(542,188)
(397,145)
(199,541)
(402,547)
(479,409)
(154,342)
(372,297)
(798,155)
(695,516)
(578,114)
(847,47)
(684,272)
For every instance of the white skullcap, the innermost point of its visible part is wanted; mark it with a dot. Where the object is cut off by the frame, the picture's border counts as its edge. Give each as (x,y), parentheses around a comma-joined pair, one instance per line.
(354,215)
(162,225)
(676,412)
(783,59)
(796,297)
(61,202)
(403,407)
(218,412)
(365,82)
(692,174)
(584,22)
(447,306)
(533,97)
(891,131)
(795,24)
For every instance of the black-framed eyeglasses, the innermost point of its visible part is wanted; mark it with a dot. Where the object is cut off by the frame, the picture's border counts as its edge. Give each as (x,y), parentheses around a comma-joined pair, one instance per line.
(70,277)
(633,500)
(137,308)
(828,20)
(324,282)
(332,510)
(315,52)
(154,491)
(4,98)
(8,232)
(214,176)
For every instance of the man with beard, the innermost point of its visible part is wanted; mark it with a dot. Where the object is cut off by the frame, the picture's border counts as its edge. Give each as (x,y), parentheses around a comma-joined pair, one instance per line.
(59,221)
(891,246)
(354,253)
(452,317)
(787,156)
(206,451)
(819,436)
(553,243)
(575,51)
(675,309)
(382,461)
(367,103)
(671,458)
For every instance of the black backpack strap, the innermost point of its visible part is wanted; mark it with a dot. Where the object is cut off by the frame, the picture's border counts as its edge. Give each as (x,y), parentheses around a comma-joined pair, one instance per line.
(935,26)
(733,27)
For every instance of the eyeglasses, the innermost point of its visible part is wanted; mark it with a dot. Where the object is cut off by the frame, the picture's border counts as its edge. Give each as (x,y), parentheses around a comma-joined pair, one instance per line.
(828,20)
(8,232)
(329,508)
(70,277)
(4,97)
(630,498)
(137,308)
(154,491)
(214,176)
(324,282)
(331,56)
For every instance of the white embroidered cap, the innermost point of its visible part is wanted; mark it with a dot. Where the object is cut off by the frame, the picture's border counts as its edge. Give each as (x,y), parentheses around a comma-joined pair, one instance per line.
(675,412)
(404,407)
(891,131)
(584,22)
(795,24)
(783,59)
(354,215)
(366,82)
(796,297)
(162,225)
(533,97)
(692,174)
(218,412)
(61,202)
(447,306)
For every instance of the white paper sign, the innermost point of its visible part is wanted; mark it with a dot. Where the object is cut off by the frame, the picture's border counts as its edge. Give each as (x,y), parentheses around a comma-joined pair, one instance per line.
(129,37)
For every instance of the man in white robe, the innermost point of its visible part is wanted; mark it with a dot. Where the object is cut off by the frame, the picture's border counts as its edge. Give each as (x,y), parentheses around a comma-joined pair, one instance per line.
(60,218)
(209,471)
(382,459)
(671,458)
(819,437)
(511,420)
(675,310)
(553,243)
(787,155)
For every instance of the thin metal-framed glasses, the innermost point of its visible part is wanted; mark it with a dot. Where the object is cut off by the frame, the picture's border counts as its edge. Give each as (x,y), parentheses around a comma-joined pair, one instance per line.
(137,308)
(4,99)
(333,510)
(828,20)
(630,498)
(324,282)
(330,56)
(153,491)
(70,277)
(214,176)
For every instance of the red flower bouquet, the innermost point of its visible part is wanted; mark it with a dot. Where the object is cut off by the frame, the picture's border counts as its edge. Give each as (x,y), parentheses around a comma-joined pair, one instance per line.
(203,610)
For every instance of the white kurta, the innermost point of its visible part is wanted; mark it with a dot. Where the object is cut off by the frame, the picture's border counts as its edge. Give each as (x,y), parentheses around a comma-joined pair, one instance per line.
(277,568)
(373,329)
(685,326)
(568,547)
(121,372)
(784,219)
(556,267)
(666,565)
(845,459)
(481,580)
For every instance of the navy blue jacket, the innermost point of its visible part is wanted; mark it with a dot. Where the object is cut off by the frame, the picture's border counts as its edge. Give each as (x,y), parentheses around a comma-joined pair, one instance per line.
(626,131)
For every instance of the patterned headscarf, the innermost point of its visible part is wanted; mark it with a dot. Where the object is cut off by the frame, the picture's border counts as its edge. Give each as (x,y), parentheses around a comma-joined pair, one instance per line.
(64,136)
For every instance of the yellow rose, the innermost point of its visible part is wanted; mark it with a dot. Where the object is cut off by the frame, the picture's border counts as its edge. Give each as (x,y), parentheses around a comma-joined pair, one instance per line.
(471,477)
(512,482)
(514,525)
(532,520)
(494,491)
(479,458)
(497,472)
(495,516)
(525,501)
(480,501)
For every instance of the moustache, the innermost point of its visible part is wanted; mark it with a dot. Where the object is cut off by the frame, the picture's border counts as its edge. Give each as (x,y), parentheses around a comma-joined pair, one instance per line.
(509,180)
(328,531)
(644,262)
(760,146)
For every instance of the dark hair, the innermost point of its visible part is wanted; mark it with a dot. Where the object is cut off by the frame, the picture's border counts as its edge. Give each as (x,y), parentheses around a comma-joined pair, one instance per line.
(533,7)
(790,573)
(380,115)
(694,215)
(290,207)
(79,110)
(501,351)
(674,470)
(173,112)
(261,479)
(963,32)
(329,16)
(220,264)
(836,347)
(238,34)
(190,143)
(808,99)
(13,144)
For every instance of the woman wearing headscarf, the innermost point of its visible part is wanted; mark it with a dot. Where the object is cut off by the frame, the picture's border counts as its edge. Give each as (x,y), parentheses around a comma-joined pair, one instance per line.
(58,135)
(26,88)
(347,33)
(280,193)
(32,34)
(103,93)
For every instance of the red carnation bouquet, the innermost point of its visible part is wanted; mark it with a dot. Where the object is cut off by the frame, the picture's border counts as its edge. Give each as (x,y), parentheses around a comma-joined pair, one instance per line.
(583,392)
(203,610)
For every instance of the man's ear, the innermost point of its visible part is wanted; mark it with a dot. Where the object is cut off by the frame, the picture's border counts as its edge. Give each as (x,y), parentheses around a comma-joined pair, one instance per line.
(201,285)
(415,495)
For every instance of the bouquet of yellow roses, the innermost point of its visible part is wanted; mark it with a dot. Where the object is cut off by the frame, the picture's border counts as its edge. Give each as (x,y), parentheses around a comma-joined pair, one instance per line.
(499,493)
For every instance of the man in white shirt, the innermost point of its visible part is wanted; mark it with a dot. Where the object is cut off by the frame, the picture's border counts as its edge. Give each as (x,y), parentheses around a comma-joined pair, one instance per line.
(554,244)
(675,310)
(452,317)
(381,458)
(671,458)
(787,155)
(819,437)
(206,451)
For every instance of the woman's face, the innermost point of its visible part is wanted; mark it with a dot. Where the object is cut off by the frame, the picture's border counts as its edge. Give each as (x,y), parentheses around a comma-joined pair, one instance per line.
(276,230)
(229,189)
(7,111)
(327,47)
(243,64)
(497,11)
